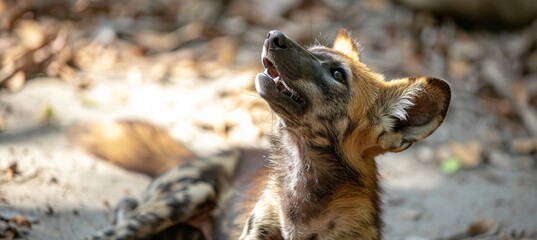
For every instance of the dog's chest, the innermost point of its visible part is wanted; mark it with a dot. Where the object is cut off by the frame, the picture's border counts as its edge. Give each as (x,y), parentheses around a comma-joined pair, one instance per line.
(325,228)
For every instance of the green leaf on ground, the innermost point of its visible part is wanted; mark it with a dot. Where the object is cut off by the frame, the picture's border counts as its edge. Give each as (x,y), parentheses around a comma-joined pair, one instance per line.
(47,114)
(451,165)
(89,102)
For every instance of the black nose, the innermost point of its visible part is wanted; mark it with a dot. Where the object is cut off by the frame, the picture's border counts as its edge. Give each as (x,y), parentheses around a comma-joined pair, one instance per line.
(277,40)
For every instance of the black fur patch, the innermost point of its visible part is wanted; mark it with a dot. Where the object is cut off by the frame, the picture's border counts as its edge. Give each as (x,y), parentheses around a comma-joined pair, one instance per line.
(250,223)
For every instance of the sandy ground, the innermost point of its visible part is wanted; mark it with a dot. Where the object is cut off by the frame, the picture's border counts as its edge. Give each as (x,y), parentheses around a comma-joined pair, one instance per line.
(71,194)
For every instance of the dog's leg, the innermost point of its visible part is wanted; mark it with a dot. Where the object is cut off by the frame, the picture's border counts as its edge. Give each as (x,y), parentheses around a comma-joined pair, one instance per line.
(193,202)
(263,223)
(184,195)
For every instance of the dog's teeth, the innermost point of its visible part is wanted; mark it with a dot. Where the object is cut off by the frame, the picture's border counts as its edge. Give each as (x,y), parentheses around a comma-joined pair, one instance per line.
(277,80)
(284,89)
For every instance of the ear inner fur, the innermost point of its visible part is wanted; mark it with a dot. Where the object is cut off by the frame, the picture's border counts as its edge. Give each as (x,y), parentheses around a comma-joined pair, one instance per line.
(346,45)
(429,100)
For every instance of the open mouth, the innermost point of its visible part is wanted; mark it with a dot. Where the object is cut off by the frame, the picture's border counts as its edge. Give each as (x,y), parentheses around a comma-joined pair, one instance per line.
(281,85)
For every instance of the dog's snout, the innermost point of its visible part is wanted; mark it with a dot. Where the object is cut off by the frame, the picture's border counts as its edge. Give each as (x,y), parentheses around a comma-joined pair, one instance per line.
(277,40)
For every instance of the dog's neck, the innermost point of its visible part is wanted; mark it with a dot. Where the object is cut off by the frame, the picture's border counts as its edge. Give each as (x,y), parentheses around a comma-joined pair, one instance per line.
(308,176)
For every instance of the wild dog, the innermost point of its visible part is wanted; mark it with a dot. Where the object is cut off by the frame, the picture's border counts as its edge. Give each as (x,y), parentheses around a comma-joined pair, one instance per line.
(333,117)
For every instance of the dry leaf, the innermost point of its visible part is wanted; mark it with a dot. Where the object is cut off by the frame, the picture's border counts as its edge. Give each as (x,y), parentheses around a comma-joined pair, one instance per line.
(31,34)
(524,145)
(459,69)
(16,82)
(470,153)
(21,221)
(481,226)
(11,171)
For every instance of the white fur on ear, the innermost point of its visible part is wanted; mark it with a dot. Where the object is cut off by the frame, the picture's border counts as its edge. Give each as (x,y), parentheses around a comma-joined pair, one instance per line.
(412,108)
(397,110)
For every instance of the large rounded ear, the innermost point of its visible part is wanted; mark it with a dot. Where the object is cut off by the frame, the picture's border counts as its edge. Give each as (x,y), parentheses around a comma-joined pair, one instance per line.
(346,45)
(410,110)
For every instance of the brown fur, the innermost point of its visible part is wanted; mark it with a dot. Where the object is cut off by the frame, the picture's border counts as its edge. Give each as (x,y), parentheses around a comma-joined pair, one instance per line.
(134,145)
(324,182)
(333,117)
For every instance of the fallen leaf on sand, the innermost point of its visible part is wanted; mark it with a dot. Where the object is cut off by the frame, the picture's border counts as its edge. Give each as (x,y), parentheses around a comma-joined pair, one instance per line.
(14,226)
(31,34)
(11,171)
(21,221)
(16,82)
(469,154)
(524,146)
(47,114)
(481,226)
(450,165)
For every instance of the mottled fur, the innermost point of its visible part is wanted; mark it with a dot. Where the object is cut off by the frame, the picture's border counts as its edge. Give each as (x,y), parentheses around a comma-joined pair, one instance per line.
(323,182)
(334,116)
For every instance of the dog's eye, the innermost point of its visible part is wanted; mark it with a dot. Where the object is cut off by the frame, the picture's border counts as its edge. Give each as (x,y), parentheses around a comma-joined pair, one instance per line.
(338,75)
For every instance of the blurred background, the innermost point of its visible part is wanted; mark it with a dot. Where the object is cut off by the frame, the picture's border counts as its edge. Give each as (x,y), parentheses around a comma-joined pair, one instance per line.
(189,66)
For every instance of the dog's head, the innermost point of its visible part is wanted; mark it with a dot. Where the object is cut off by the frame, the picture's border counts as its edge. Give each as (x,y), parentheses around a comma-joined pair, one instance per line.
(329,89)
